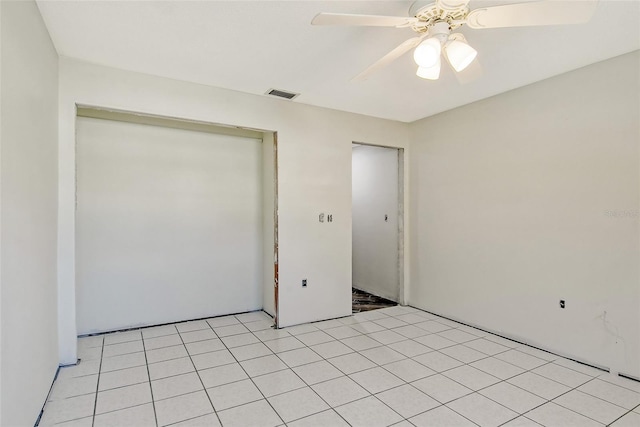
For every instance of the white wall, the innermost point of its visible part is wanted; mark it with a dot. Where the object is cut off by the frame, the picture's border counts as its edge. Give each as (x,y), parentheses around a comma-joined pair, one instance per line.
(314,175)
(169,225)
(511,201)
(28,211)
(375,241)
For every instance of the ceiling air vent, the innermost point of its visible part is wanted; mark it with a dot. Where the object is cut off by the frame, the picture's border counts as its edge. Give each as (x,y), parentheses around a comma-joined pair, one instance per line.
(281,93)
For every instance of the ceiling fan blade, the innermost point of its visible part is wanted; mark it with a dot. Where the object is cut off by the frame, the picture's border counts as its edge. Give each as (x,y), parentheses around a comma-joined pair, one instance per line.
(452,4)
(396,53)
(361,20)
(549,12)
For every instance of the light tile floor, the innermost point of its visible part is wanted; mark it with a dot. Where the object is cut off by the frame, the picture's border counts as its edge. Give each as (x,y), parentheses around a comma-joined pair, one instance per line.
(394,366)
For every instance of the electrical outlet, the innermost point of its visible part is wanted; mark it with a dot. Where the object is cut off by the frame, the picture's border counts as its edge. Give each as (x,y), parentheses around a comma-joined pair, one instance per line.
(304,283)
(562,303)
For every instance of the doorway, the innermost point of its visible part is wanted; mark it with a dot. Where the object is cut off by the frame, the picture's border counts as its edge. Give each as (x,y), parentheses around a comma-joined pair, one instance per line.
(377,212)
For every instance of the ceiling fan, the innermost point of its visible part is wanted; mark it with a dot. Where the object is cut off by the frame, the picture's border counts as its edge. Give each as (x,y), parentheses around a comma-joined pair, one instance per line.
(436,21)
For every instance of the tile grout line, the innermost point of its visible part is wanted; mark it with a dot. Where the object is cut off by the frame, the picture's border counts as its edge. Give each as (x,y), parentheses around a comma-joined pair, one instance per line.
(261,375)
(308,385)
(505,380)
(192,418)
(546,400)
(491,385)
(245,372)
(621,416)
(224,364)
(463,364)
(311,388)
(405,382)
(560,395)
(392,388)
(469,364)
(595,397)
(204,389)
(137,405)
(274,354)
(526,371)
(144,349)
(95,403)
(349,377)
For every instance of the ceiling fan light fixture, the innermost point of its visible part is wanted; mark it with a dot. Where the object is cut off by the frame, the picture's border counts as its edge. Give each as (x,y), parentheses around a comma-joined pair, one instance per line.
(427,54)
(436,19)
(460,54)
(430,73)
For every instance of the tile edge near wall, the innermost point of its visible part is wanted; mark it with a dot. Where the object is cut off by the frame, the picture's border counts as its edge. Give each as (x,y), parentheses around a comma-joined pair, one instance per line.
(46,399)
(135,328)
(530,344)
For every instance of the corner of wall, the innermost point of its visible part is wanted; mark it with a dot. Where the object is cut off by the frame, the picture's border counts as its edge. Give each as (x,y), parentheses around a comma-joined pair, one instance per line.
(28,204)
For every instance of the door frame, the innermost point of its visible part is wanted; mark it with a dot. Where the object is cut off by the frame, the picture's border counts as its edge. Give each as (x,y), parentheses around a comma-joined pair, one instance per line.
(276,318)
(402,202)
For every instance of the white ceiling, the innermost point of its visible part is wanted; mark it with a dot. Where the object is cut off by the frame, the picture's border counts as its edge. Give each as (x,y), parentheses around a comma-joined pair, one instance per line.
(251,46)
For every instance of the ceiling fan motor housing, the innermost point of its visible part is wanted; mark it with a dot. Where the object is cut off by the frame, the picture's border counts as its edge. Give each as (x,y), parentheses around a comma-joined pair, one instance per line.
(428,14)
(440,31)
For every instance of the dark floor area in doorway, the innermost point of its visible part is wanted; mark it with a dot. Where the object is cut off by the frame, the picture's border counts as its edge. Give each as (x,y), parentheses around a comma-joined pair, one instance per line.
(363,301)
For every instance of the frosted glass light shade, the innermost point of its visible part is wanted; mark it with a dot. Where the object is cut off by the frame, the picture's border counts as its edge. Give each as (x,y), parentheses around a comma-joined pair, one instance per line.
(427,53)
(430,73)
(460,54)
